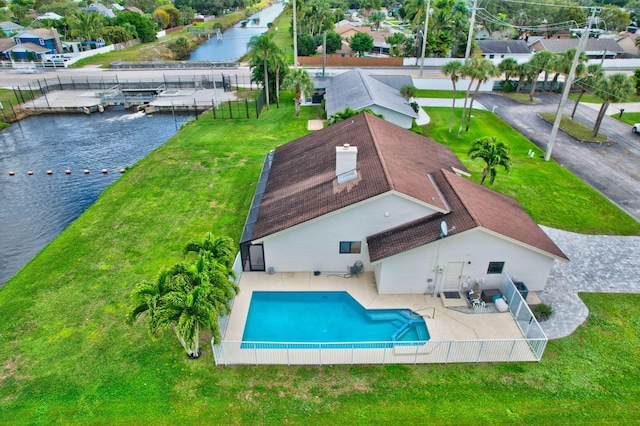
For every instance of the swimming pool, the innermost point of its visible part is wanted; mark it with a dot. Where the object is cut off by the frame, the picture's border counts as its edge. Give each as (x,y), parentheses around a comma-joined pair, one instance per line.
(330,317)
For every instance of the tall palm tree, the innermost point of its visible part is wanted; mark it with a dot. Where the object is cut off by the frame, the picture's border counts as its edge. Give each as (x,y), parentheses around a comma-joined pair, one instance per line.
(508,67)
(562,65)
(593,74)
(454,70)
(615,87)
(494,153)
(299,80)
(483,73)
(540,62)
(262,47)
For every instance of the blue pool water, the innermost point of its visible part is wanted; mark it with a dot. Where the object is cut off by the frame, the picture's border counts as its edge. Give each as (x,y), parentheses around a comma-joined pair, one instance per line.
(327,317)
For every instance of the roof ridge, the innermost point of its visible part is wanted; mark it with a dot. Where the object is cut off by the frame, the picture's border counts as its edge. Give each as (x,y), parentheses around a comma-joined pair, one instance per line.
(445,173)
(365,81)
(374,137)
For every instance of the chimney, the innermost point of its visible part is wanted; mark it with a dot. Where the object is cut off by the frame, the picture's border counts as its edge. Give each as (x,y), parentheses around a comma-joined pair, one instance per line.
(346,160)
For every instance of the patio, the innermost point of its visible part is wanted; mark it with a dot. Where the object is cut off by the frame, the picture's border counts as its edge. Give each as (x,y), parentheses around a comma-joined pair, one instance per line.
(464,333)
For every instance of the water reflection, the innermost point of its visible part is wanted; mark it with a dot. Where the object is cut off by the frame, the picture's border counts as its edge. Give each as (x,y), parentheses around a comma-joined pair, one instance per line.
(35,209)
(233,44)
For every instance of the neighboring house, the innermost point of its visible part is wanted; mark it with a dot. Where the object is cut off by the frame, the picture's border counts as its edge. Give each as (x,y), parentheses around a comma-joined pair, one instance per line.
(501,49)
(22,51)
(133,9)
(627,42)
(347,30)
(36,42)
(366,190)
(50,15)
(595,49)
(99,9)
(116,6)
(358,90)
(10,28)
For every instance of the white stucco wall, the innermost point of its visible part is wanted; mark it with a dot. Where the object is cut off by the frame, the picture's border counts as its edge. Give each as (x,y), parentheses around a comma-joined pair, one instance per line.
(394,117)
(415,270)
(314,245)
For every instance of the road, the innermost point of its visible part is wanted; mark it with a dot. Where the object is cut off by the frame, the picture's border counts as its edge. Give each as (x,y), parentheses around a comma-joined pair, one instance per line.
(611,168)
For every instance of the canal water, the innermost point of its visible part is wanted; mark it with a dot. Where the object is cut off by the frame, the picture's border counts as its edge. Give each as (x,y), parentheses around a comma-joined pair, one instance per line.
(233,44)
(34,209)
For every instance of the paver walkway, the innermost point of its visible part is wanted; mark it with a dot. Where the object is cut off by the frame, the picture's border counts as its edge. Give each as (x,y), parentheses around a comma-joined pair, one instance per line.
(599,263)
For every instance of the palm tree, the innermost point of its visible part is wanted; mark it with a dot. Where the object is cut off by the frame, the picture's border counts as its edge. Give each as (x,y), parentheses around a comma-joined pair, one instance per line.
(484,72)
(562,65)
(509,68)
(85,25)
(188,312)
(262,47)
(540,62)
(147,296)
(454,70)
(494,153)
(594,74)
(408,91)
(299,80)
(615,87)
(222,249)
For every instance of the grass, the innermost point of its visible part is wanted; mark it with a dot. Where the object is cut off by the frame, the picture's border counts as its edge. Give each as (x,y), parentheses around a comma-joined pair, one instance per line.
(522,98)
(67,357)
(568,203)
(574,128)
(630,118)
(439,94)
(592,99)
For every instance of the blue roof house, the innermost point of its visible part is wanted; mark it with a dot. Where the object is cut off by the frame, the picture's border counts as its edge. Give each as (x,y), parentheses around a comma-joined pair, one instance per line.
(40,37)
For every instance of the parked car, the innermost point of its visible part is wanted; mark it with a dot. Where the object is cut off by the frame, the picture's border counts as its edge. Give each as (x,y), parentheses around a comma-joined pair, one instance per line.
(636,128)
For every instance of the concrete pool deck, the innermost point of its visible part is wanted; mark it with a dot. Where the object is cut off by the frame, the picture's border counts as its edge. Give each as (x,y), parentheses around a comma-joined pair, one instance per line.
(443,323)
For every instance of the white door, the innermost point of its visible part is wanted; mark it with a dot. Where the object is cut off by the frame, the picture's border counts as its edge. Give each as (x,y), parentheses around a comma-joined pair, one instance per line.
(453,276)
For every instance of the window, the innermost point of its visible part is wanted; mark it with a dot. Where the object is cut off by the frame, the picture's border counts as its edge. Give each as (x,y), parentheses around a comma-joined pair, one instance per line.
(350,247)
(495,267)
(41,42)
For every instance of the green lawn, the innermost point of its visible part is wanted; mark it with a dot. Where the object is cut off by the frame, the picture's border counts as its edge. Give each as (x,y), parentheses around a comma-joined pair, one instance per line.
(630,118)
(67,357)
(591,98)
(574,128)
(439,94)
(568,203)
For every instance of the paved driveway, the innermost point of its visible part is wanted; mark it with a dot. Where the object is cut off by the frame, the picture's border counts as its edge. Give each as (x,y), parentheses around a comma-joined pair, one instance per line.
(599,263)
(612,168)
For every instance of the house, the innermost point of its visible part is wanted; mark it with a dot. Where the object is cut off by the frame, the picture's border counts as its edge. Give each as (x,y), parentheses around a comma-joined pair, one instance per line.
(45,40)
(133,9)
(22,51)
(627,41)
(50,15)
(365,190)
(596,47)
(358,90)
(10,28)
(99,9)
(501,49)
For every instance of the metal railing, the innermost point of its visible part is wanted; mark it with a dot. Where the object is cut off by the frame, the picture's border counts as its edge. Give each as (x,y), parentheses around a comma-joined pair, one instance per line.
(440,352)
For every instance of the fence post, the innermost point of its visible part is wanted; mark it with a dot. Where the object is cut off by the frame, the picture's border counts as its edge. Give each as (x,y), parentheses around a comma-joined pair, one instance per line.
(195,109)
(230,109)
(246,104)
(213,108)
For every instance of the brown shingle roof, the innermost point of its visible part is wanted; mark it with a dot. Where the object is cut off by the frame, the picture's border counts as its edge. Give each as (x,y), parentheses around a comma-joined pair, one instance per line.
(302,184)
(472,206)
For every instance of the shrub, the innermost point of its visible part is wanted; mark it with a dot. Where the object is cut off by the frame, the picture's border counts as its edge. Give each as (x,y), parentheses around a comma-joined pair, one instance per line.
(542,311)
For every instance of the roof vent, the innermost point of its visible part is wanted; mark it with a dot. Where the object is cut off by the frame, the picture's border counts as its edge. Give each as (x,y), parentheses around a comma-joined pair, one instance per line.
(346,161)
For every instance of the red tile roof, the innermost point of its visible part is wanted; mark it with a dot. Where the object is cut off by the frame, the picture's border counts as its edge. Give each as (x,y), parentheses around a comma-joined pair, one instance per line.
(472,206)
(302,184)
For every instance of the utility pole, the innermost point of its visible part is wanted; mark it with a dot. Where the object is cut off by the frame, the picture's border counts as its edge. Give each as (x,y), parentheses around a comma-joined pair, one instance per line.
(567,85)
(471,25)
(295,37)
(324,51)
(424,35)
